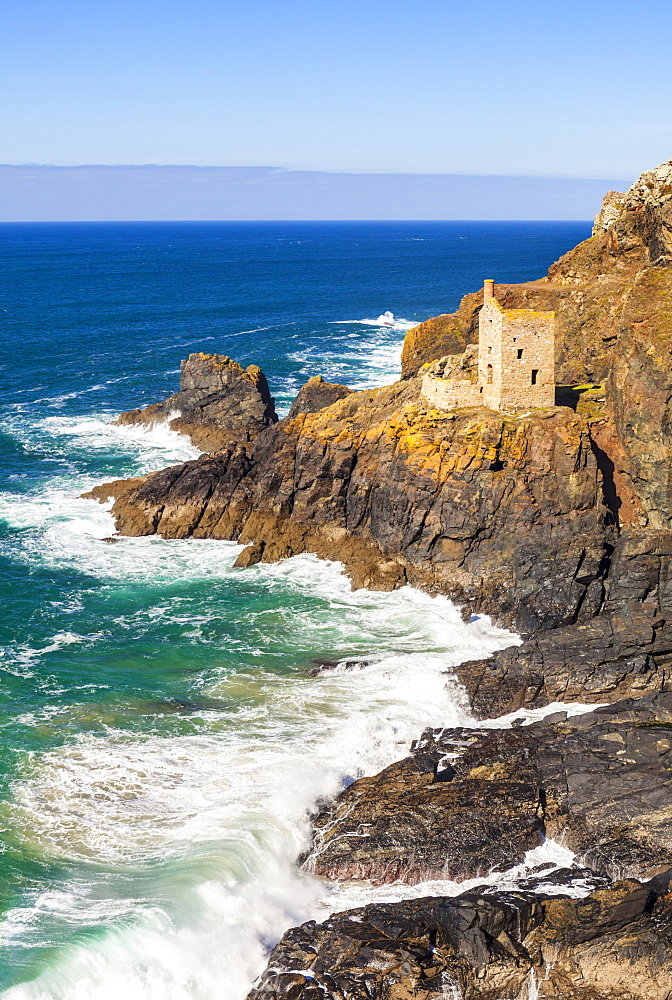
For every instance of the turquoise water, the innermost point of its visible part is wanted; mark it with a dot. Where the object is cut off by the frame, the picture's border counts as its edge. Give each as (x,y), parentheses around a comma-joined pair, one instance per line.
(161,737)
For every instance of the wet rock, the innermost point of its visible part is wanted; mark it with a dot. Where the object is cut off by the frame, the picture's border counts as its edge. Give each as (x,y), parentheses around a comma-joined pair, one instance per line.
(622,653)
(614,943)
(323,666)
(467,801)
(414,822)
(219,402)
(250,556)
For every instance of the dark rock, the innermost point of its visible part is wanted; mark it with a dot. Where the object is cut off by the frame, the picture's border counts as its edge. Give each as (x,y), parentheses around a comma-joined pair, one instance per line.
(410,824)
(620,654)
(614,944)
(467,801)
(325,665)
(316,394)
(219,403)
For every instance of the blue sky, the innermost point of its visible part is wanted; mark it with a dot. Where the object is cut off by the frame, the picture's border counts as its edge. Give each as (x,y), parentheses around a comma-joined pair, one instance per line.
(565,90)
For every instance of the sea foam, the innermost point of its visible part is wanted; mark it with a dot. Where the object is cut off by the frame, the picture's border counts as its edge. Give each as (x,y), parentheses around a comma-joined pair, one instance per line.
(225,812)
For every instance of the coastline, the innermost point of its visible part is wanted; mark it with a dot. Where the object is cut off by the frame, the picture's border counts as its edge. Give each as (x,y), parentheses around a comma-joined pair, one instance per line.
(404,493)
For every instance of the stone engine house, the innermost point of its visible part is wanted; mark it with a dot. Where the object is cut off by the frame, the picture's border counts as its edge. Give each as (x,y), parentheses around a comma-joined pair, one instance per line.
(516,362)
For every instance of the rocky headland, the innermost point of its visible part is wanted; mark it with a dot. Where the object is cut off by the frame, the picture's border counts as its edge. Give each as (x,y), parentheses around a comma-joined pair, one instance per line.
(556,522)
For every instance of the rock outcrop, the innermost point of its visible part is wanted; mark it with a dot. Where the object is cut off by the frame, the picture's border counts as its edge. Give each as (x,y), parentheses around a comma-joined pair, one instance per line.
(219,402)
(402,493)
(615,944)
(467,801)
(622,653)
(316,394)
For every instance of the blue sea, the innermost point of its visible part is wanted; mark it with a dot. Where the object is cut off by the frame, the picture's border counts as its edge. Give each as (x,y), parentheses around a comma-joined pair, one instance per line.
(162,738)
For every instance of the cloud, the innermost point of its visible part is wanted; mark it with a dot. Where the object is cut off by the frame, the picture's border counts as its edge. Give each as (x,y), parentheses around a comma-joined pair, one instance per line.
(44,193)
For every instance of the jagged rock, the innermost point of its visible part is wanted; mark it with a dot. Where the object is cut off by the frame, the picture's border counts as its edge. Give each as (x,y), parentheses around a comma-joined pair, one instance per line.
(414,823)
(316,394)
(219,402)
(625,652)
(324,666)
(612,206)
(467,801)
(639,392)
(614,944)
(402,493)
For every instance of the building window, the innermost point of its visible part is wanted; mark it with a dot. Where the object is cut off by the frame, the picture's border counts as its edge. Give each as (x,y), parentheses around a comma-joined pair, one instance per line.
(535,372)
(520,353)
(488,376)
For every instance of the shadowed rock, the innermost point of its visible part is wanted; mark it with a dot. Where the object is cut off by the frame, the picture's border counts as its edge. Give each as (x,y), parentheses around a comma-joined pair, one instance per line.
(622,653)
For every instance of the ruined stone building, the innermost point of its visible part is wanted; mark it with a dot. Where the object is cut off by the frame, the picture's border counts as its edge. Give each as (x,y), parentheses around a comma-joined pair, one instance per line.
(514,368)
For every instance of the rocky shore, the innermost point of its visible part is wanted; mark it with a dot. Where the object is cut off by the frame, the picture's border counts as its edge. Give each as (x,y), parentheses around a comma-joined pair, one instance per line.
(556,522)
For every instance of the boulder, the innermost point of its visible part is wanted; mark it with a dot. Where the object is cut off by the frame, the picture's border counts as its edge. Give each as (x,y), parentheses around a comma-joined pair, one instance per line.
(316,394)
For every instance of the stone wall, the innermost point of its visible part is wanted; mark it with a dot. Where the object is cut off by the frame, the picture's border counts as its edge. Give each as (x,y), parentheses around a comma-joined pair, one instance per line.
(516,357)
(532,333)
(450,394)
(490,327)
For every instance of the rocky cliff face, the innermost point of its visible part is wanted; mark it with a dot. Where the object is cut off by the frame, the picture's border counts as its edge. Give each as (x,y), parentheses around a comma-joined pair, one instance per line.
(502,513)
(218,402)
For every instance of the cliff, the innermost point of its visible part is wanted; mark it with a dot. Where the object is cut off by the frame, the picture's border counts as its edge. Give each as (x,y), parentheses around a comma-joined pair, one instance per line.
(401,493)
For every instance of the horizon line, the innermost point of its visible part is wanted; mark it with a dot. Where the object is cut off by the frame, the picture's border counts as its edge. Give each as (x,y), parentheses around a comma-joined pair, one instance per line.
(305,170)
(265,222)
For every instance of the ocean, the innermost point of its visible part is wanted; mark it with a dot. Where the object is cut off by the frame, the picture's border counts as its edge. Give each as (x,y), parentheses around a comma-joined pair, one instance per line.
(162,736)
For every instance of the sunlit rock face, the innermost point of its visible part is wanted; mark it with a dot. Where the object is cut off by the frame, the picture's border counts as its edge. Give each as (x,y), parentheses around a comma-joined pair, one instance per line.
(218,402)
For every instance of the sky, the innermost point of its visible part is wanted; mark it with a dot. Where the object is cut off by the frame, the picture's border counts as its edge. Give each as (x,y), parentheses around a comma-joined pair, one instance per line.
(374,86)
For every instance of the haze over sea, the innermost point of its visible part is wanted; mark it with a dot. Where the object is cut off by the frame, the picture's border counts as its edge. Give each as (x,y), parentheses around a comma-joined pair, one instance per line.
(161,737)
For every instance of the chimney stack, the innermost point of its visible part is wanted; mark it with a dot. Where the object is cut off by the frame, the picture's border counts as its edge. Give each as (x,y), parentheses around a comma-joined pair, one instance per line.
(488,289)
